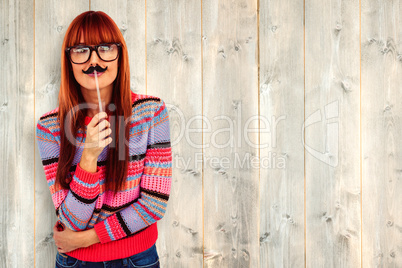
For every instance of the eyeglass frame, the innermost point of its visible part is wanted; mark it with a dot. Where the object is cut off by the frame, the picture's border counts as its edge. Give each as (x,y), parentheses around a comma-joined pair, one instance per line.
(93,48)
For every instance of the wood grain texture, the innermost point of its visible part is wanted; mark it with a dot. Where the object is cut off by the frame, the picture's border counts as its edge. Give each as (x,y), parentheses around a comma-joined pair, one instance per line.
(381,133)
(281,149)
(52,19)
(16,135)
(332,134)
(230,98)
(174,74)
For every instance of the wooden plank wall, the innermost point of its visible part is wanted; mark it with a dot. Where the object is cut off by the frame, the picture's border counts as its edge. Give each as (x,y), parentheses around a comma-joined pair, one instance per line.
(381,125)
(285,125)
(173,71)
(332,166)
(282,155)
(230,99)
(16,135)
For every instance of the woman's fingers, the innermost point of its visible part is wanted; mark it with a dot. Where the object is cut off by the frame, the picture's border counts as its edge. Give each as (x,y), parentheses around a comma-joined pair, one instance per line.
(97,136)
(106,132)
(105,142)
(96,119)
(94,131)
(98,132)
(102,125)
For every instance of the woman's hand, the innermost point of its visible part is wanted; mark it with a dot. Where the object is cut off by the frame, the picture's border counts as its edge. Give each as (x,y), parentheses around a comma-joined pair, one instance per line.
(97,134)
(96,139)
(68,240)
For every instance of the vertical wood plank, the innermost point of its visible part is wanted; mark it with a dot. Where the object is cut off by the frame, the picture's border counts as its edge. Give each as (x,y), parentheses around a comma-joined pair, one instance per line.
(332,134)
(381,133)
(174,74)
(281,149)
(230,99)
(130,18)
(51,22)
(16,134)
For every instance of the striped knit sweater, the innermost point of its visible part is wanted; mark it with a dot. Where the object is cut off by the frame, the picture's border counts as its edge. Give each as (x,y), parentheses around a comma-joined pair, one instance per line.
(125,224)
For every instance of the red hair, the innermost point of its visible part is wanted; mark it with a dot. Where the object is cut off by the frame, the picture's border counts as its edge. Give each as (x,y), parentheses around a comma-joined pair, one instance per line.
(94,27)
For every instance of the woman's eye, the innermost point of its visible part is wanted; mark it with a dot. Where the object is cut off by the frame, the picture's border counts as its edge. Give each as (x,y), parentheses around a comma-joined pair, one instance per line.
(105,48)
(80,50)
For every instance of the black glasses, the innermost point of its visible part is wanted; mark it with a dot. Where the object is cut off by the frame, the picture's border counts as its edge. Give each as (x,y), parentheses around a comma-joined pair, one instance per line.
(82,53)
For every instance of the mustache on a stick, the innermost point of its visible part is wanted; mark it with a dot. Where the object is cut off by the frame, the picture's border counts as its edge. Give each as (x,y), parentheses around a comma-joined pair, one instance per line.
(97,68)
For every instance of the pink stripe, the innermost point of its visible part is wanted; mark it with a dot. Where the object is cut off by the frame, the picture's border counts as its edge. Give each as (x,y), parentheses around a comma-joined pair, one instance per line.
(157,184)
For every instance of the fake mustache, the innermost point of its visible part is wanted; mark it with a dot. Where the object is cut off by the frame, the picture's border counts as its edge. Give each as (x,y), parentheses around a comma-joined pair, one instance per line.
(92,69)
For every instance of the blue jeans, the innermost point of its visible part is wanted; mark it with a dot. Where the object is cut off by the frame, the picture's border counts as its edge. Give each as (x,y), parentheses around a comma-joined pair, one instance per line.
(146,259)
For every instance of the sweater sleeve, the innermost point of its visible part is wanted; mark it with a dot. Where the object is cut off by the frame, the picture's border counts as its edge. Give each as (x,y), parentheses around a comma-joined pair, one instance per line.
(154,185)
(74,206)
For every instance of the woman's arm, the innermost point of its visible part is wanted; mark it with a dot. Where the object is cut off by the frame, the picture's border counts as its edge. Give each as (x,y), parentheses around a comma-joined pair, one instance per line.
(154,186)
(74,207)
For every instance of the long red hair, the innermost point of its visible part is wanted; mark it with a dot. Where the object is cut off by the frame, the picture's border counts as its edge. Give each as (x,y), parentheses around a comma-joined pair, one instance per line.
(95,27)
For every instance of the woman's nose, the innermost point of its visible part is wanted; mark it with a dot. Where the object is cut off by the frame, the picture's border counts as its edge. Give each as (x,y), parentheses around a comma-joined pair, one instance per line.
(94,58)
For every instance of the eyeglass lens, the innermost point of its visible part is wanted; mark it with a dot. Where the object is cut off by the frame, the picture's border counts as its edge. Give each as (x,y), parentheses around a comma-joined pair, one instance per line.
(81,54)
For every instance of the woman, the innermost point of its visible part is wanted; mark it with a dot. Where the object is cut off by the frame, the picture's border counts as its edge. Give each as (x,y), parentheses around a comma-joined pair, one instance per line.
(109,173)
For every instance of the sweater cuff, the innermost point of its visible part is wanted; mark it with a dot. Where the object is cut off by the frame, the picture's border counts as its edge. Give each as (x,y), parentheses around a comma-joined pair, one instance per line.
(102,233)
(86,176)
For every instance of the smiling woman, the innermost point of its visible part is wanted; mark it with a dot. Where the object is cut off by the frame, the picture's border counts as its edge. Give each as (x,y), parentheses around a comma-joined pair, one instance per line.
(111,181)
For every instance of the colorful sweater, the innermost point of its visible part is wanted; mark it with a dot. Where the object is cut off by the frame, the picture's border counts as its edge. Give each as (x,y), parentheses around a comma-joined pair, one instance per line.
(125,224)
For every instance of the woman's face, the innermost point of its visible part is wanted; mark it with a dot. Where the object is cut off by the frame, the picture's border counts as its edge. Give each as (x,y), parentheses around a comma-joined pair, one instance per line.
(105,79)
